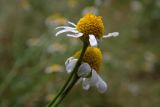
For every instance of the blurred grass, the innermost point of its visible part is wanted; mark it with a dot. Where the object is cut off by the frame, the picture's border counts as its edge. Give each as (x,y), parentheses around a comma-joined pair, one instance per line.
(131,61)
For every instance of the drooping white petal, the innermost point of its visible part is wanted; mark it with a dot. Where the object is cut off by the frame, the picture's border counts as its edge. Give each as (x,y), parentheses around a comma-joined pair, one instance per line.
(101,85)
(65,27)
(66,30)
(72,23)
(68,60)
(113,34)
(80,80)
(94,78)
(92,40)
(70,66)
(75,35)
(84,70)
(85,84)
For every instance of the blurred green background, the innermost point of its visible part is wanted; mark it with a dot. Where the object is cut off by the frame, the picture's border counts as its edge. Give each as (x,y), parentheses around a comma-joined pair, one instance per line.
(32,59)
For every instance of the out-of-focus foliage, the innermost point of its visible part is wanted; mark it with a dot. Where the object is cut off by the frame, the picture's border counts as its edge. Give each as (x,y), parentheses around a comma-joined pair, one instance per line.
(32,58)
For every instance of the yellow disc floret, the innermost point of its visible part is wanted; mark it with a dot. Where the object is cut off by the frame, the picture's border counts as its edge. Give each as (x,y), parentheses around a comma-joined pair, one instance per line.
(92,56)
(91,24)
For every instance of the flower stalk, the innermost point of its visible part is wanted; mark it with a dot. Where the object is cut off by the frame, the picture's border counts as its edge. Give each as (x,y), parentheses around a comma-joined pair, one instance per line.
(67,90)
(73,78)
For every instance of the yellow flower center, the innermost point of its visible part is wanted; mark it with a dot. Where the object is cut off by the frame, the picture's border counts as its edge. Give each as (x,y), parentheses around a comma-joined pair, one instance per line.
(91,24)
(92,56)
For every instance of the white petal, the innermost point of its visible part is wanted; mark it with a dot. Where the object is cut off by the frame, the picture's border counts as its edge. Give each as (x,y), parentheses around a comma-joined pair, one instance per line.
(75,35)
(65,27)
(68,60)
(66,30)
(101,85)
(72,23)
(92,40)
(85,84)
(62,31)
(70,66)
(94,78)
(80,80)
(114,34)
(84,70)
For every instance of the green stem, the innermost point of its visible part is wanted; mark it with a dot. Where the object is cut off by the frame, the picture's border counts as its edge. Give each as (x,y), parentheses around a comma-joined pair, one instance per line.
(75,79)
(85,45)
(63,88)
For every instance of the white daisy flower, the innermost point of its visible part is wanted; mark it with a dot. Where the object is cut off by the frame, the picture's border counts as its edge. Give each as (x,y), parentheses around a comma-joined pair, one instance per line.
(89,27)
(88,76)
(88,69)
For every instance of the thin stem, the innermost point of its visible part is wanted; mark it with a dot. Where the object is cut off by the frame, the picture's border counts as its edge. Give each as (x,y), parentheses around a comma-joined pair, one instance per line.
(75,79)
(63,88)
(85,45)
